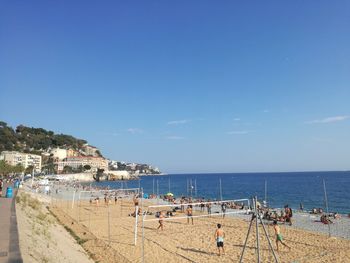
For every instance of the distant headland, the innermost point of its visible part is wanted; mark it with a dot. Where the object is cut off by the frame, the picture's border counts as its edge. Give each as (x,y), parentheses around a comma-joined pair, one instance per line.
(29,150)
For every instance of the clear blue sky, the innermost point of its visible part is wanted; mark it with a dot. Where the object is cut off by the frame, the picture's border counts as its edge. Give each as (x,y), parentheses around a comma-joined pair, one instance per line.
(189,86)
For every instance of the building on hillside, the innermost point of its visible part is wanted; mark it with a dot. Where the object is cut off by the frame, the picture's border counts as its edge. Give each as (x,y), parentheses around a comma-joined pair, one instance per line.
(24,159)
(91,150)
(59,153)
(112,165)
(72,153)
(131,166)
(79,161)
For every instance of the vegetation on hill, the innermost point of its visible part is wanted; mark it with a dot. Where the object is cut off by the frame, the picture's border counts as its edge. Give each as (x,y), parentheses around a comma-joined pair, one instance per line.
(34,140)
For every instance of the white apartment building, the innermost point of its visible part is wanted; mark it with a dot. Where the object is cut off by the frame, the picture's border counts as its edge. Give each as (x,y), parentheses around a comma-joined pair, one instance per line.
(25,159)
(77,161)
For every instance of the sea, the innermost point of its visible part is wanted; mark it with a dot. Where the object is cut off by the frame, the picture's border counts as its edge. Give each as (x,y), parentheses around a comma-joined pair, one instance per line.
(311,189)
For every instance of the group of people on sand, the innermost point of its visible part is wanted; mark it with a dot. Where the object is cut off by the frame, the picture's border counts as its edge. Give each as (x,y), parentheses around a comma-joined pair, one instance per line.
(284,216)
(108,199)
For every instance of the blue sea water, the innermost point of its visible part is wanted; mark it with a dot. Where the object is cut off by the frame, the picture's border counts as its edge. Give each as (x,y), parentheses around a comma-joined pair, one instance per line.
(282,188)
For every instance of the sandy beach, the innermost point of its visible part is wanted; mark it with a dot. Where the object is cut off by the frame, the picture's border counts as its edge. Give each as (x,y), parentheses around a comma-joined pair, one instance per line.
(182,242)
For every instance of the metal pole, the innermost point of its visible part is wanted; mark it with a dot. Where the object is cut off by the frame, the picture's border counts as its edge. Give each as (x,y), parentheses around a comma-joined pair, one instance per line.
(157,192)
(153,187)
(169,184)
(257,230)
(143,238)
(266,192)
(326,201)
(141,199)
(220,189)
(187,186)
(195,187)
(191,186)
(136,218)
(246,239)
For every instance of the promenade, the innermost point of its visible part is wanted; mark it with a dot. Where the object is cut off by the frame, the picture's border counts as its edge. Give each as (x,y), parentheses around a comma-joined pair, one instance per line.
(9,243)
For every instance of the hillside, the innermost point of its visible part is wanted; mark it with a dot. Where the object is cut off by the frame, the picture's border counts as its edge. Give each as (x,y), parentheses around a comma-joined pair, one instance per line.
(35,140)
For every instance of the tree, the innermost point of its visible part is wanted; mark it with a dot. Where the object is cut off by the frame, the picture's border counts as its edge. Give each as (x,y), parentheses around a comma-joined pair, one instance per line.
(18,169)
(29,169)
(87,167)
(5,168)
(31,139)
(49,168)
(67,169)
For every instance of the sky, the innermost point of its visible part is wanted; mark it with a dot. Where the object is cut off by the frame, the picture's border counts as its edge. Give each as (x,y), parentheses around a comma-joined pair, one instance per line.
(188,86)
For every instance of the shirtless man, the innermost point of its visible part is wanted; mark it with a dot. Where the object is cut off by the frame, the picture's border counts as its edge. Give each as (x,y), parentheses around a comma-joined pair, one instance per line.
(136,202)
(161,221)
(219,237)
(189,214)
(279,238)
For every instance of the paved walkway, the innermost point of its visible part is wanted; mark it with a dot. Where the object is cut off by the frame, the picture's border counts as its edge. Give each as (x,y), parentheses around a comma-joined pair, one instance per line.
(9,242)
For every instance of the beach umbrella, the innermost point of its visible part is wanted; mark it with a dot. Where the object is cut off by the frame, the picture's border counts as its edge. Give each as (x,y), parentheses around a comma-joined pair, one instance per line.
(170,194)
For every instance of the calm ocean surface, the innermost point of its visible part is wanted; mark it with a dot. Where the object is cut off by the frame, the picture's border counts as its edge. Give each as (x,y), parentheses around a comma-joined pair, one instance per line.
(282,188)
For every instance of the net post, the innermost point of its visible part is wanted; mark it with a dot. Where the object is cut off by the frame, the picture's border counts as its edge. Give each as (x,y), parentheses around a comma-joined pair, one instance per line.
(143,236)
(195,187)
(326,202)
(246,239)
(157,192)
(136,218)
(257,228)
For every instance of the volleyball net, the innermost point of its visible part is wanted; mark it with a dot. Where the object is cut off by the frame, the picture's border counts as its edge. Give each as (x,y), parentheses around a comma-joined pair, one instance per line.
(197,209)
(182,222)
